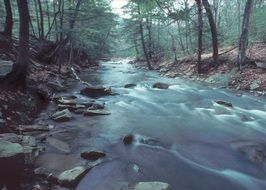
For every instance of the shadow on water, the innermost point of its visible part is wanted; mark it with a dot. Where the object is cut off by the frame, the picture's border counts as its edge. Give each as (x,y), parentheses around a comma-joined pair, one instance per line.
(182,136)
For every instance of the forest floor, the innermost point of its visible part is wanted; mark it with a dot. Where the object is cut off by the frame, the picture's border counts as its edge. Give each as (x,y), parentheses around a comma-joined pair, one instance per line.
(22,107)
(252,78)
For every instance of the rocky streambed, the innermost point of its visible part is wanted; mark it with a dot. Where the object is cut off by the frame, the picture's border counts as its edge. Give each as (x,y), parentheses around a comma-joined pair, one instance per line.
(140,131)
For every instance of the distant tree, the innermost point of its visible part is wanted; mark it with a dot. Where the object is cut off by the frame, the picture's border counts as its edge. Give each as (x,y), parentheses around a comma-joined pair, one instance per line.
(41,20)
(16,79)
(243,42)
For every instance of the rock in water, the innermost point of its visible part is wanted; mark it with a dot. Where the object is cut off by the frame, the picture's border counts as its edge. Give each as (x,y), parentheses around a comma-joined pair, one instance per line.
(70,178)
(92,155)
(127,140)
(156,185)
(130,85)
(160,85)
(227,104)
(96,91)
(62,116)
(95,112)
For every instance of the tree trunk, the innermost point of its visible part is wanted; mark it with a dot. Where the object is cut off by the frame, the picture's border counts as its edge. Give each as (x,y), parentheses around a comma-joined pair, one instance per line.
(149,29)
(61,5)
(55,17)
(143,41)
(16,79)
(200,26)
(243,42)
(48,17)
(41,20)
(37,18)
(9,20)
(213,32)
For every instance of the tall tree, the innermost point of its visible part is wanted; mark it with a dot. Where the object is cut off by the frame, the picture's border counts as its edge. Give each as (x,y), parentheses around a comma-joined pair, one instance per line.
(213,27)
(243,42)
(16,79)
(141,30)
(9,20)
(200,26)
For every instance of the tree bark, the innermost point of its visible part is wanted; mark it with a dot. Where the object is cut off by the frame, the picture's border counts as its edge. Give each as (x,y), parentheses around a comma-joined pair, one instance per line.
(213,27)
(200,26)
(243,42)
(9,20)
(16,79)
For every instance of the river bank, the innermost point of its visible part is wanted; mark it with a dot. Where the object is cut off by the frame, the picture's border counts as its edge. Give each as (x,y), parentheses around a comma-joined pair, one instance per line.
(252,78)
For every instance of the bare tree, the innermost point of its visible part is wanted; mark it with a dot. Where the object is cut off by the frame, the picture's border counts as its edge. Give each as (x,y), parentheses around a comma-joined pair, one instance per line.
(243,42)
(141,29)
(213,27)
(200,26)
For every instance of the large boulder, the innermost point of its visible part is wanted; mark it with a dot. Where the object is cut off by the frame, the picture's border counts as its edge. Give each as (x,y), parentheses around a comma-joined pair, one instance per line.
(95,92)
(160,85)
(155,185)
(5,68)
(62,116)
(12,157)
(70,178)
(16,151)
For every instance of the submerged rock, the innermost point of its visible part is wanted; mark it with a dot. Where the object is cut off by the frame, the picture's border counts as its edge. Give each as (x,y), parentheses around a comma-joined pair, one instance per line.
(156,185)
(62,116)
(160,85)
(90,112)
(128,139)
(92,155)
(70,178)
(96,91)
(255,153)
(223,103)
(60,145)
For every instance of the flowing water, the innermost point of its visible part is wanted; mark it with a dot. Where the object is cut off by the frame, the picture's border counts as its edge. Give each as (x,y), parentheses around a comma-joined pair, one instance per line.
(182,136)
